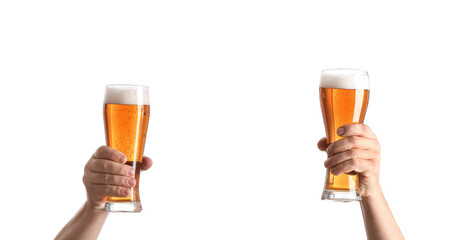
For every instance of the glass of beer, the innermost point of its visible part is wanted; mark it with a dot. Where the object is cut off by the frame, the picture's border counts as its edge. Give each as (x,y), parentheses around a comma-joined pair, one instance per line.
(344,95)
(126,112)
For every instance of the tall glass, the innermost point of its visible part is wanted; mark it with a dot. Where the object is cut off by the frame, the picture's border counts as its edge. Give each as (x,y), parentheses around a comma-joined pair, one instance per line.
(344,95)
(126,112)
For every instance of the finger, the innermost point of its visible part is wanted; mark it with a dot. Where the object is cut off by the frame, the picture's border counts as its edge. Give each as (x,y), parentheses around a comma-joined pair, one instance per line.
(352,142)
(110,179)
(107,166)
(322,144)
(146,163)
(105,152)
(347,155)
(108,190)
(354,164)
(359,129)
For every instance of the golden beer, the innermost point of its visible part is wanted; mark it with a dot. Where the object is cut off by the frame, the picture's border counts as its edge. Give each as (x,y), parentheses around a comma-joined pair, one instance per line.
(126,113)
(344,96)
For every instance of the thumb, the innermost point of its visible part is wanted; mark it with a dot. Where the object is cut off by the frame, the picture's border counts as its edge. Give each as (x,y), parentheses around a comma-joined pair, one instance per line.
(146,163)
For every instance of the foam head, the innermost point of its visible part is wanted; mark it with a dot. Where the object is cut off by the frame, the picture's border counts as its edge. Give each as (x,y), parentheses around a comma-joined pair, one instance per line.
(127,94)
(344,78)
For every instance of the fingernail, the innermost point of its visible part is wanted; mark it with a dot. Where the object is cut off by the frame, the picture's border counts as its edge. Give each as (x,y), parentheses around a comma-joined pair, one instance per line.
(131,172)
(122,159)
(333,172)
(126,192)
(132,182)
(340,131)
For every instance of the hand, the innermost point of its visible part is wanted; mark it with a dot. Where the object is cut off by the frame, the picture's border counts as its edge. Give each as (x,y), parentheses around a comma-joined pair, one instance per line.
(358,152)
(106,175)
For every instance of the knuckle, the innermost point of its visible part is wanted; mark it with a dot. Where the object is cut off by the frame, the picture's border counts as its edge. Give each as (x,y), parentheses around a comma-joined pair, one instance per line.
(121,169)
(332,148)
(117,156)
(366,128)
(369,130)
(124,181)
(355,141)
(107,189)
(353,152)
(86,178)
(106,166)
(100,150)
(355,162)
(89,165)
(107,177)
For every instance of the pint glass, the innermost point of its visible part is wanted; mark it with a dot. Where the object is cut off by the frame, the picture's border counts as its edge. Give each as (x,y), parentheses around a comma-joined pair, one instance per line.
(126,112)
(344,95)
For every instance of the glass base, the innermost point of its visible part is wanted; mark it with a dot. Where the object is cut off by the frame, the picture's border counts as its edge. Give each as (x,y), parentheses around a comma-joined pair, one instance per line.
(340,195)
(123,207)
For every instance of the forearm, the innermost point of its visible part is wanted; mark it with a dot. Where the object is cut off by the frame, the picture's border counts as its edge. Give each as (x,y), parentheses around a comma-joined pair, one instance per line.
(86,224)
(378,219)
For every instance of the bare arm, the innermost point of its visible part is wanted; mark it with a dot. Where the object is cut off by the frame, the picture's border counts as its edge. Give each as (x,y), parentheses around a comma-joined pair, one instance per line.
(378,219)
(105,175)
(359,152)
(86,224)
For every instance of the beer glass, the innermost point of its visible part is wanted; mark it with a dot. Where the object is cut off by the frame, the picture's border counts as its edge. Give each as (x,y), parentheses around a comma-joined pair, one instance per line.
(344,95)
(126,112)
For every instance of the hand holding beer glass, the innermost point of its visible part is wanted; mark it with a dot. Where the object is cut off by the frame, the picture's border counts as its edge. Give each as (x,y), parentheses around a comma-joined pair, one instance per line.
(126,114)
(111,176)
(344,95)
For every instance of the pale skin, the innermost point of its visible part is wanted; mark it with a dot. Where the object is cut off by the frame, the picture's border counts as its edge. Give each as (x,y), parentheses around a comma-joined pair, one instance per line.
(359,152)
(105,175)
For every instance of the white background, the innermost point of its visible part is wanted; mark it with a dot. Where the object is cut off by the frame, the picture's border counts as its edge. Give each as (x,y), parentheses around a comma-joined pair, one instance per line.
(235,113)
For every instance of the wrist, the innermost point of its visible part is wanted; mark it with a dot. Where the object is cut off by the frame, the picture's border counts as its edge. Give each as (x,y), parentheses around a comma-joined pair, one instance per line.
(373,199)
(372,190)
(93,210)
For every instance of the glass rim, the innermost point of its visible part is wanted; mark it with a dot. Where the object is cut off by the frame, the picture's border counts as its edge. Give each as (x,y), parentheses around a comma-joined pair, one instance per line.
(344,70)
(125,85)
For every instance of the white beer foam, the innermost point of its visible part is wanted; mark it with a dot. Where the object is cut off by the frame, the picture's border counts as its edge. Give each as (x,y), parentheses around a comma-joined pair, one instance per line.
(344,78)
(127,94)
